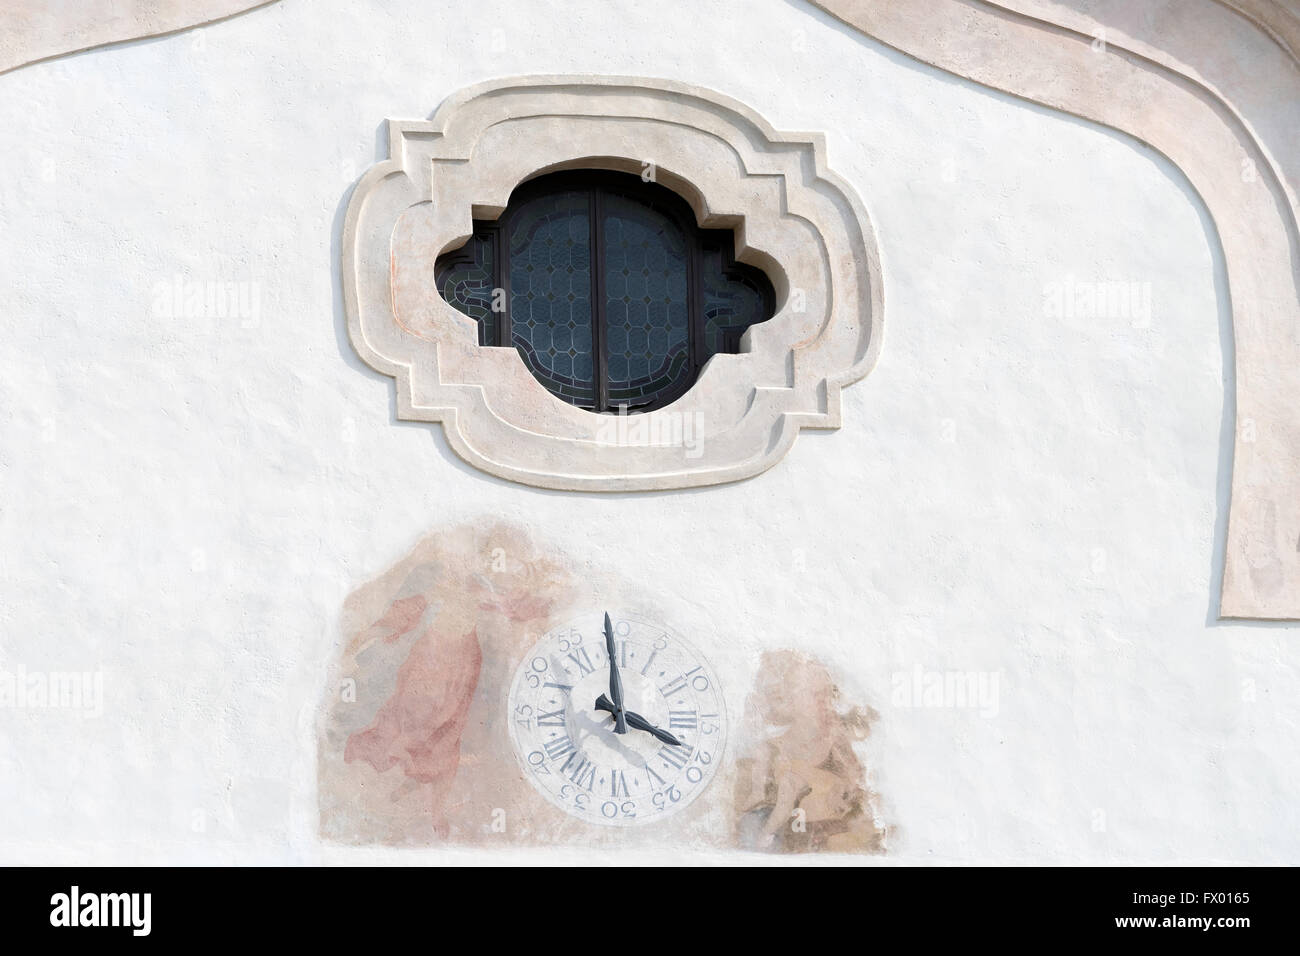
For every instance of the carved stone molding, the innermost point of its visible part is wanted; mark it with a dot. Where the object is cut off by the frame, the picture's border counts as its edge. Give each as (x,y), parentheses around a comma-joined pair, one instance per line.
(793,218)
(1048,52)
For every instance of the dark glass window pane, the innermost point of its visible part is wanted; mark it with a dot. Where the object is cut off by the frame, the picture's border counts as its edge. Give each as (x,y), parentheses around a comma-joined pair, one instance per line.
(731,303)
(670,295)
(549,255)
(647,317)
(465,279)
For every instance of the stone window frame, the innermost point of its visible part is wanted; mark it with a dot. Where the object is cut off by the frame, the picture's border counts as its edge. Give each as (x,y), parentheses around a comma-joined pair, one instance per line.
(794,219)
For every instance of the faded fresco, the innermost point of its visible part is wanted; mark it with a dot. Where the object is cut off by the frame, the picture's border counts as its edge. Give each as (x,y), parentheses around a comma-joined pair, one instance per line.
(800,785)
(414,738)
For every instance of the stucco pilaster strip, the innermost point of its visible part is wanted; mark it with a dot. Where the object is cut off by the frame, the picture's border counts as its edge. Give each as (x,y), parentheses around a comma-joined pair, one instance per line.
(1196,130)
(36,30)
(1277,18)
(1211,43)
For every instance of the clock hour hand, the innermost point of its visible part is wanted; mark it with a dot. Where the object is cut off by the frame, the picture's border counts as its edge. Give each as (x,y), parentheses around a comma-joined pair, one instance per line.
(615,681)
(640,723)
(637,722)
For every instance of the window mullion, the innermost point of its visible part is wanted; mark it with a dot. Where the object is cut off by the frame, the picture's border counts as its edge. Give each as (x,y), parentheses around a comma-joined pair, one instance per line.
(598,362)
(694,301)
(501,280)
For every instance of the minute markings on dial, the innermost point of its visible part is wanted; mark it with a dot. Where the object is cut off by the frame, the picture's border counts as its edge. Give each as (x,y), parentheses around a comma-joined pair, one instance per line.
(569,749)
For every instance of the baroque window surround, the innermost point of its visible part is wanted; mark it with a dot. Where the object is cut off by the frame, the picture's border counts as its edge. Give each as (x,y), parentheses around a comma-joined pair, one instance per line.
(795,220)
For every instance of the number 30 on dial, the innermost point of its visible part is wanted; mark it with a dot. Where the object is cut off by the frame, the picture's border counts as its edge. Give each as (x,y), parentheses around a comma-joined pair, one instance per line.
(567,746)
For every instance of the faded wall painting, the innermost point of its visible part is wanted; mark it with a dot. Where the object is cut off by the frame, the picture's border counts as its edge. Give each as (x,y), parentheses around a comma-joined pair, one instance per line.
(799,784)
(416,746)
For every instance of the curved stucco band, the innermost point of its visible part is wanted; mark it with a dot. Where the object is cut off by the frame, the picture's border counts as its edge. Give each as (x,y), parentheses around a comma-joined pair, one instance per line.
(791,215)
(1244,188)
(32,31)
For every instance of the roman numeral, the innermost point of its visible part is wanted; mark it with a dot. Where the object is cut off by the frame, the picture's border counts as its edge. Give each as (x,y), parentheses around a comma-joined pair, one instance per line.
(564,687)
(677,756)
(649,660)
(582,773)
(557,748)
(585,666)
(618,784)
(554,719)
(650,772)
(673,686)
(684,719)
(678,683)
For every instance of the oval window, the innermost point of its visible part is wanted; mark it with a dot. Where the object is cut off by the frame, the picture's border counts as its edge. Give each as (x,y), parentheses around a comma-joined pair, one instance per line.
(610,292)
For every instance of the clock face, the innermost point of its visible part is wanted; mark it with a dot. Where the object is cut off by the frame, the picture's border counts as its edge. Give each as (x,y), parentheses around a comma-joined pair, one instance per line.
(568,746)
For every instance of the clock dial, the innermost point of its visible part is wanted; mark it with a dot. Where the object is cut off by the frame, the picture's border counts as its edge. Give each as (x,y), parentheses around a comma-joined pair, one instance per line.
(568,746)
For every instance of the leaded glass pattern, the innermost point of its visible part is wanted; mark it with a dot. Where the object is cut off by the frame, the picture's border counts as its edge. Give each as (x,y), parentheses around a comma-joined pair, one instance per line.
(466,280)
(614,297)
(733,300)
(550,293)
(647,345)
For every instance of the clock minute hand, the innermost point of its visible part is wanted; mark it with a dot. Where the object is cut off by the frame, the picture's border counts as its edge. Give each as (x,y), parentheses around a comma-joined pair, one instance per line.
(638,722)
(615,681)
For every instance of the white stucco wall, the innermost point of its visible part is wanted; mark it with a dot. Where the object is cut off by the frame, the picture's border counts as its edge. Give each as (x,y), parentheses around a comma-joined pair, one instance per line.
(185,500)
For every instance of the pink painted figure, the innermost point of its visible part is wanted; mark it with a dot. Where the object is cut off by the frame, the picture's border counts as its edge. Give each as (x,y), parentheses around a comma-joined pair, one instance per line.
(424,645)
